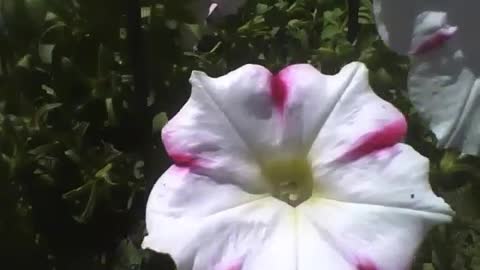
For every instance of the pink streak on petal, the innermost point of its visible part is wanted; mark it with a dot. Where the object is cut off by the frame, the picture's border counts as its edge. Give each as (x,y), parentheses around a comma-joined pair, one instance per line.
(183,159)
(366,265)
(387,136)
(435,41)
(179,157)
(181,171)
(233,265)
(279,90)
(387,153)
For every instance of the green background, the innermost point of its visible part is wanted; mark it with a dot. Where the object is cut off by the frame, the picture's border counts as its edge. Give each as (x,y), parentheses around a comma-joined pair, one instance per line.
(72,172)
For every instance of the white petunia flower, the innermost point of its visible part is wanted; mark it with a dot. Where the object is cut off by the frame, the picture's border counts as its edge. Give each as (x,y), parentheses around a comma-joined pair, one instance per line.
(441,38)
(298,170)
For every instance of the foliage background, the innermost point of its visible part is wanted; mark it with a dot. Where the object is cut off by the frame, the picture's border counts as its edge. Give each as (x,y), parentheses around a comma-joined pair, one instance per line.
(72,180)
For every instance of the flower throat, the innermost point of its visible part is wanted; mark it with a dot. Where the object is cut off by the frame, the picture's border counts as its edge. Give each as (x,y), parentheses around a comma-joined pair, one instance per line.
(290,180)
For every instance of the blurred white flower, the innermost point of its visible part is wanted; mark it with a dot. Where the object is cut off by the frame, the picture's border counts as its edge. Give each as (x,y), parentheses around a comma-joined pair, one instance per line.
(298,170)
(191,34)
(202,9)
(441,38)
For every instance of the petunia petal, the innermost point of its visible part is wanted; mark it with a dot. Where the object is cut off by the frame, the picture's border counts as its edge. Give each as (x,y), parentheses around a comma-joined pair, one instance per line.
(181,193)
(359,124)
(314,251)
(396,177)
(242,100)
(204,225)
(362,235)
(224,126)
(443,81)
(305,98)
(242,231)
(311,103)
(357,156)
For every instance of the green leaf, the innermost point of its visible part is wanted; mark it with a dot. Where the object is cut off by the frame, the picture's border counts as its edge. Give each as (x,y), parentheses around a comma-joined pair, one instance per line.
(36,10)
(428,266)
(41,114)
(262,8)
(102,173)
(138,169)
(73,156)
(330,32)
(25,62)
(190,35)
(44,149)
(129,256)
(45,51)
(159,121)
(89,208)
(75,193)
(333,17)
(112,117)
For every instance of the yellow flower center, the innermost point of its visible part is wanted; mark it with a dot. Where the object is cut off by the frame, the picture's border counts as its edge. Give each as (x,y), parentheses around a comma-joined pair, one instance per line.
(291,180)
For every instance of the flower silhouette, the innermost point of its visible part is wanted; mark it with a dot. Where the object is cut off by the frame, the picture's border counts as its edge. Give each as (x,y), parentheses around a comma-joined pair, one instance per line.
(297,170)
(441,39)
